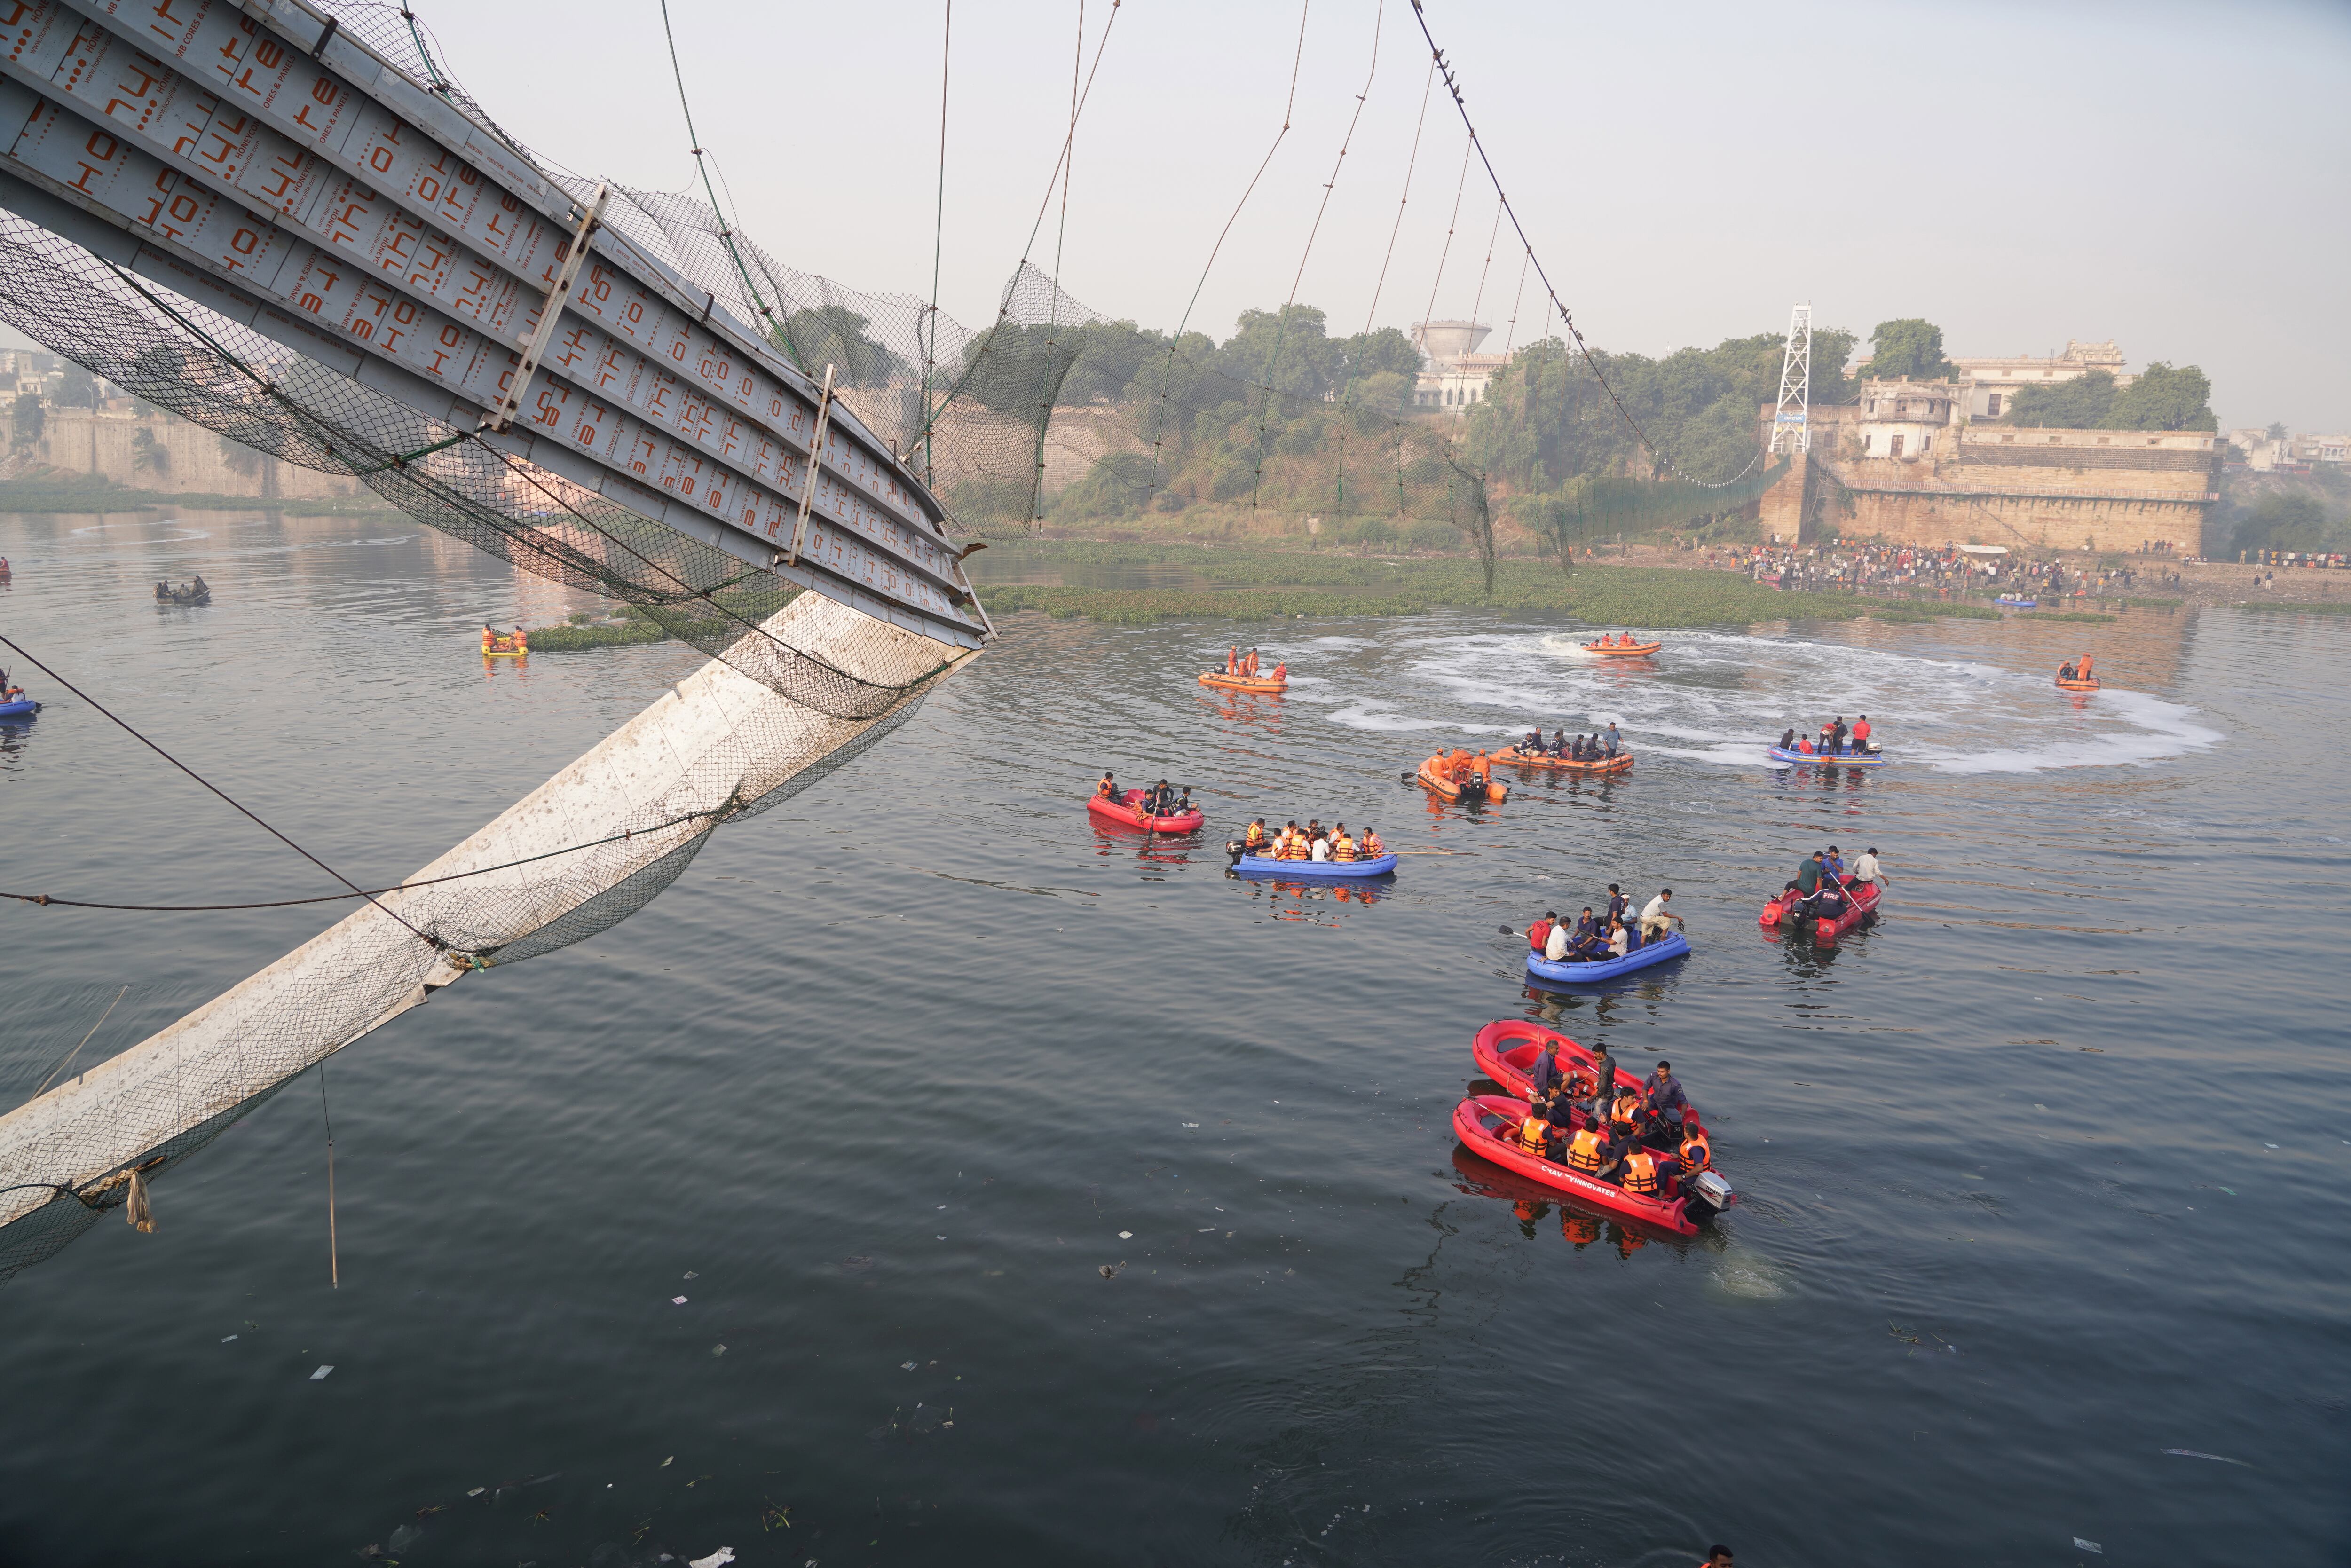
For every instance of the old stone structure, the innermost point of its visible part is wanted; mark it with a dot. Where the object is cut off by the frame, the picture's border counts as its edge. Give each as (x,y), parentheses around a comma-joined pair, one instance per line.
(156,451)
(1906,463)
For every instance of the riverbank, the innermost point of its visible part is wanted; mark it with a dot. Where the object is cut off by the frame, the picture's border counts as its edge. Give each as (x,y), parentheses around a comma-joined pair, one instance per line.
(1261,585)
(85,493)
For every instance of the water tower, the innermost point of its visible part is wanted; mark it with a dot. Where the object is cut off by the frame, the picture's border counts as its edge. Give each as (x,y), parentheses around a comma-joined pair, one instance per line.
(1446,341)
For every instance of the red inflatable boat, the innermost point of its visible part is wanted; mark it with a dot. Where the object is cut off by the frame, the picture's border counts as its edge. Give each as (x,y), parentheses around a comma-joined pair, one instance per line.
(1861,902)
(1506,1052)
(1126,812)
(1487,1126)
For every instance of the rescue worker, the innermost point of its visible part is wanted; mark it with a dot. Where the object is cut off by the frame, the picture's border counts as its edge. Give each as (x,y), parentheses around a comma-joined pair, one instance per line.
(2066,672)
(1539,934)
(1619,943)
(1547,1078)
(1372,847)
(1788,740)
(1861,733)
(1534,1134)
(1281,670)
(1617,904)
(1615,741)
(1662,1094)
(1866,869)
(1594,1152)
(1555,945)
(1232,661)
(1253,842)
(1342,848)
(1696,1151)
(1108,788)
(1532,744)
(1656,920)
(1649,1172)
(1834,864)
(1604,1084)
(1808,880)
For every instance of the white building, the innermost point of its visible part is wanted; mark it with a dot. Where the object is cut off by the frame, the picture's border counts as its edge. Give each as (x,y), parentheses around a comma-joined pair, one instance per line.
(1453,375)
(1994,382)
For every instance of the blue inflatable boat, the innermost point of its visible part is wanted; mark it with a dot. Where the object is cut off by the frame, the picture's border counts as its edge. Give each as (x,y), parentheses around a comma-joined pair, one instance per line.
(1830,759)
(23,707)
(1664,950)
(1323,870)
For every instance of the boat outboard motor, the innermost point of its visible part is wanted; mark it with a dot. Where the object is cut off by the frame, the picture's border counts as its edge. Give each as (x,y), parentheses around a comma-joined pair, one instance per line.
(1709,1189)
(1234,847)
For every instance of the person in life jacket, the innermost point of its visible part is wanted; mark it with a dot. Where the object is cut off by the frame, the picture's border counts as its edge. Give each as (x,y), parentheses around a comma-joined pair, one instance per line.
(1592,1151)
(1696,1152)
(1535,1135)
(1254,840)
(2087,663)
(1232,661)
(1342,848)
(1371,848)
(1248,664)
(1108,788)
(1649,1173)
(1281,670)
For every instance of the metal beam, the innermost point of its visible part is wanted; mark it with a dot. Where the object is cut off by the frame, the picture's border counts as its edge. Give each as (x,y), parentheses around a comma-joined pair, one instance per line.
(269,165)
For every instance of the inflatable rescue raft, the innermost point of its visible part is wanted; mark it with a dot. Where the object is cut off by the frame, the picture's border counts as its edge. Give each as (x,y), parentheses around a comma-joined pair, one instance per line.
(1126,811)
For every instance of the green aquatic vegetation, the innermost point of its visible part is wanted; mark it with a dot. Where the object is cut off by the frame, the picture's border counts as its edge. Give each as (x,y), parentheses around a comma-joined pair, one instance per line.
(2090,616)
(1648,597)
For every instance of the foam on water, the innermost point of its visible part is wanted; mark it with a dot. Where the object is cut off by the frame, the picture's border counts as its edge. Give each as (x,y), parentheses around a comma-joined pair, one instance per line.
(1723,698)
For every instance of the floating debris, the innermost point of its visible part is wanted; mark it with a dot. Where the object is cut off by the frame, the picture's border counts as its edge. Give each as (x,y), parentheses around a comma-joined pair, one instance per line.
(321,1374)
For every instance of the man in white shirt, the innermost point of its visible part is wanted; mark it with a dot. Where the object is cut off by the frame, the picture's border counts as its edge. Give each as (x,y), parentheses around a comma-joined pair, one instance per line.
(1656,918)
(1866,867)
(1321,849)
(1555,946)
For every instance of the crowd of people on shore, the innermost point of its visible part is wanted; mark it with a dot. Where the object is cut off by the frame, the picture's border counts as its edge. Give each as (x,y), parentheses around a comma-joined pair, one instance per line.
(1597,747)
(1892,567)
(1312,842)
(1613,933)
(1644,1139)
(1837,738)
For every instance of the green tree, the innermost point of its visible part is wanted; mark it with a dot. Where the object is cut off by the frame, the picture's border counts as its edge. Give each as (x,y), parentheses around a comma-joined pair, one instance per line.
(1118,486)
(1288,351)
(2276,432)
(2163,398)
(2291,520)
(1385,352)
(836,336)
(29,418)
(2085,402)
(1910,348)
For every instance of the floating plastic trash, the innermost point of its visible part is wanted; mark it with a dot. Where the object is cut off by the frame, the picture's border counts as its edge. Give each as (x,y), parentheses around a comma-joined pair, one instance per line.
(2089,1546)
(226,1338)
(677,1300)
(1126,1236)
(718,1559)
(320,1376)
(2197,1454)
(905,1367)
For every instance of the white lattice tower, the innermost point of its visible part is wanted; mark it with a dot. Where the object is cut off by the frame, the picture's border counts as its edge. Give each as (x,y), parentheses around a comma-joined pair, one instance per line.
(1791,429)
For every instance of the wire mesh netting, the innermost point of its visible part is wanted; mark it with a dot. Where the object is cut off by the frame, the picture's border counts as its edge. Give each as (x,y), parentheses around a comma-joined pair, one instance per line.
(584,852)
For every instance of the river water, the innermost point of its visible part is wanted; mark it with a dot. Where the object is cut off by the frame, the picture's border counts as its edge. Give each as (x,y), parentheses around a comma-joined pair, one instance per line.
(2045,1176)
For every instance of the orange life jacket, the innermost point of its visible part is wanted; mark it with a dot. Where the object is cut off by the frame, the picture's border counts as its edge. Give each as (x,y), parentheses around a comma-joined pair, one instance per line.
(1625,1110)
(1583,1151)
(1372,848)
(1256,837)
(1343,848)
(1297,849)
(1696,1154)
(1640,1174)
(1531,1132)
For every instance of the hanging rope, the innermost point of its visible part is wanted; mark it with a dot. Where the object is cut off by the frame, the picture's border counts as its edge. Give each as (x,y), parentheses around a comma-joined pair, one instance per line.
(728,224)
(938,242)
(47,901)
(1566,317)
(1282,329)
(215,789)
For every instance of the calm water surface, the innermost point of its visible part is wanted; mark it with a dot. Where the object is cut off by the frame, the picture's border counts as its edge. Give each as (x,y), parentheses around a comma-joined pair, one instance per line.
(2045,1175)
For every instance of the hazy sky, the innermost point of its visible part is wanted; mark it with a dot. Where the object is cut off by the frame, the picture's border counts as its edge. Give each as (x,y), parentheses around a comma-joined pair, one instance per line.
(2173,177)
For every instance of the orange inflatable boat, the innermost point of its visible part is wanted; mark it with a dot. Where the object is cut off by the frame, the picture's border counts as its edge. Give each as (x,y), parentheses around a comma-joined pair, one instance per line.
(1627,649)
(1620,763)
(1268,684)
(1459,775)
(2083,680)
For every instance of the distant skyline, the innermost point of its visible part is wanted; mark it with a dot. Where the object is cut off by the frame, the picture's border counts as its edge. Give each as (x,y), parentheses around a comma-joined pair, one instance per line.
(2167,176)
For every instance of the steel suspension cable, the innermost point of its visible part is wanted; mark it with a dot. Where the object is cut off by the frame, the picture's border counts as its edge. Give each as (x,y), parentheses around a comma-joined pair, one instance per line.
(1567,317)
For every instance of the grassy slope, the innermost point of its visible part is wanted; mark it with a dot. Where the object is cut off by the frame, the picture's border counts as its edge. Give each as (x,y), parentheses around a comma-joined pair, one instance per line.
(1278,585)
